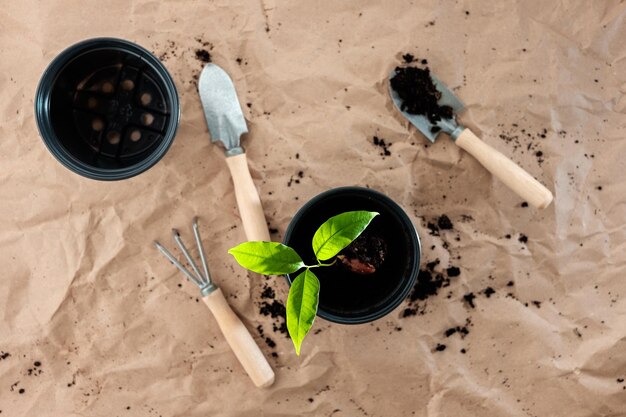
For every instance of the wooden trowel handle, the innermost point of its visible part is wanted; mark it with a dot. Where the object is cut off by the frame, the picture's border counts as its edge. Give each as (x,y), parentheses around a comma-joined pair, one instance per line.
(248,200)
(506,170)
(240,340)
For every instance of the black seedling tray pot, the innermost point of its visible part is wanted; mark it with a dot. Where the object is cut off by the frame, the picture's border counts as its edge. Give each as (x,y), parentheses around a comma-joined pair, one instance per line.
(107,109)
(347,297)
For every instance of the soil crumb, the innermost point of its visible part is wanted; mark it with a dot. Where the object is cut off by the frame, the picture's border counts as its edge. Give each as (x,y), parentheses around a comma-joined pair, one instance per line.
(203,55)
(469,299)
(408,58)
(384,146)
(489,292)
(444,222)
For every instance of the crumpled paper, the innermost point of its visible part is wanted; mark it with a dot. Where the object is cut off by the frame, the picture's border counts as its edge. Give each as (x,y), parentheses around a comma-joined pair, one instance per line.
(96,323)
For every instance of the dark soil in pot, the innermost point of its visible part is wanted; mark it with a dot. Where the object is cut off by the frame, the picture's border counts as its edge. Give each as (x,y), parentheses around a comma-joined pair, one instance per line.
(349,297)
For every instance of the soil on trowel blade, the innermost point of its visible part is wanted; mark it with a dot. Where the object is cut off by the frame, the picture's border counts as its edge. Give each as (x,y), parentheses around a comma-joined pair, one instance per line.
(418,93)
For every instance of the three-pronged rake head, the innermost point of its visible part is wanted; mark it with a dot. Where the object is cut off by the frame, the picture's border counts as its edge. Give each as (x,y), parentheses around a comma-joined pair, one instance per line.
(201,278)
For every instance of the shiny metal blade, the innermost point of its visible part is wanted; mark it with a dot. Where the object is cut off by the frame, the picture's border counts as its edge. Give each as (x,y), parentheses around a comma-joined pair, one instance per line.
(221,108)
(421,122)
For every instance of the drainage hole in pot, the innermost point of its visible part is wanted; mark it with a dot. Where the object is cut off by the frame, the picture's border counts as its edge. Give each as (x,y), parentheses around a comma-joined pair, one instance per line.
(128,85)
(92,103)
(135,135)
(147,119)
(107,87)
(113,137)
(145,99)
(97,124)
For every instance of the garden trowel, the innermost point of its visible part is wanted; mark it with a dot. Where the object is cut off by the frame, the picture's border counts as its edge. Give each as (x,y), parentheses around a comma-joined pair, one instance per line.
(499,165)
(226,124)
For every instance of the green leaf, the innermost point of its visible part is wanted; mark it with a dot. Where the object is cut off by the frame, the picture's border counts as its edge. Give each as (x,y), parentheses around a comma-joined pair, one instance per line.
(302,306)
(267,258)
(339,231)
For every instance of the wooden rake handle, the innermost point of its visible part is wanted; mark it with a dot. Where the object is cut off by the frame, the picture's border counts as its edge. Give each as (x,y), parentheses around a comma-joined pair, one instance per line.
(240,340)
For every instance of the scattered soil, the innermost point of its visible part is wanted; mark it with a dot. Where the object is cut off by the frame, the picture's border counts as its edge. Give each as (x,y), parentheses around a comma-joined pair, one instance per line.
(199,52)
(268,292)
(453,271)
(364,255)
(270,342)
(295,179)
(418,93)
(277,311)
(273,308)
(489,292)
(442,222)
(525,140)
(440,347)
(523,238)
(462,330)
(408,58)
(384,146)
(428,284)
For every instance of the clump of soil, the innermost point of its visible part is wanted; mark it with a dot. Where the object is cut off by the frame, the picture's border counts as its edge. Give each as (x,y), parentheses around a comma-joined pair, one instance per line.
(268,340)
(453,271)
(461,330)
(418,93)
(428,284)
(489,292)
(442,222)
(408,58)
(275,309)
(364,255)
(268,292)
(469,299)
(203,55)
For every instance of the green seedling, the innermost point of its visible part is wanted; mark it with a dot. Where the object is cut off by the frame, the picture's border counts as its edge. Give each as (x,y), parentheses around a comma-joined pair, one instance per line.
(272,258)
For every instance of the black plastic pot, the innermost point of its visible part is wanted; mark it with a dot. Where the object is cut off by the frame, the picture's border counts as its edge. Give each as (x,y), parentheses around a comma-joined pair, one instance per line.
(346,297)
(107,109)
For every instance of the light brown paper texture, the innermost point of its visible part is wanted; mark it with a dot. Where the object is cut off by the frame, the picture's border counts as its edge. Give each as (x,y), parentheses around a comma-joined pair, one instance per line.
(85,293)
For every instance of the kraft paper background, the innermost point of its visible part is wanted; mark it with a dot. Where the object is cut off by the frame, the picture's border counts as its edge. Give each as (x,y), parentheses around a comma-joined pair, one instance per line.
(83,291)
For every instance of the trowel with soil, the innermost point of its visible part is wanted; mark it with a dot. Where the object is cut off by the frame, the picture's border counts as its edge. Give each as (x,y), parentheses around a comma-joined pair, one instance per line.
(431,107)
